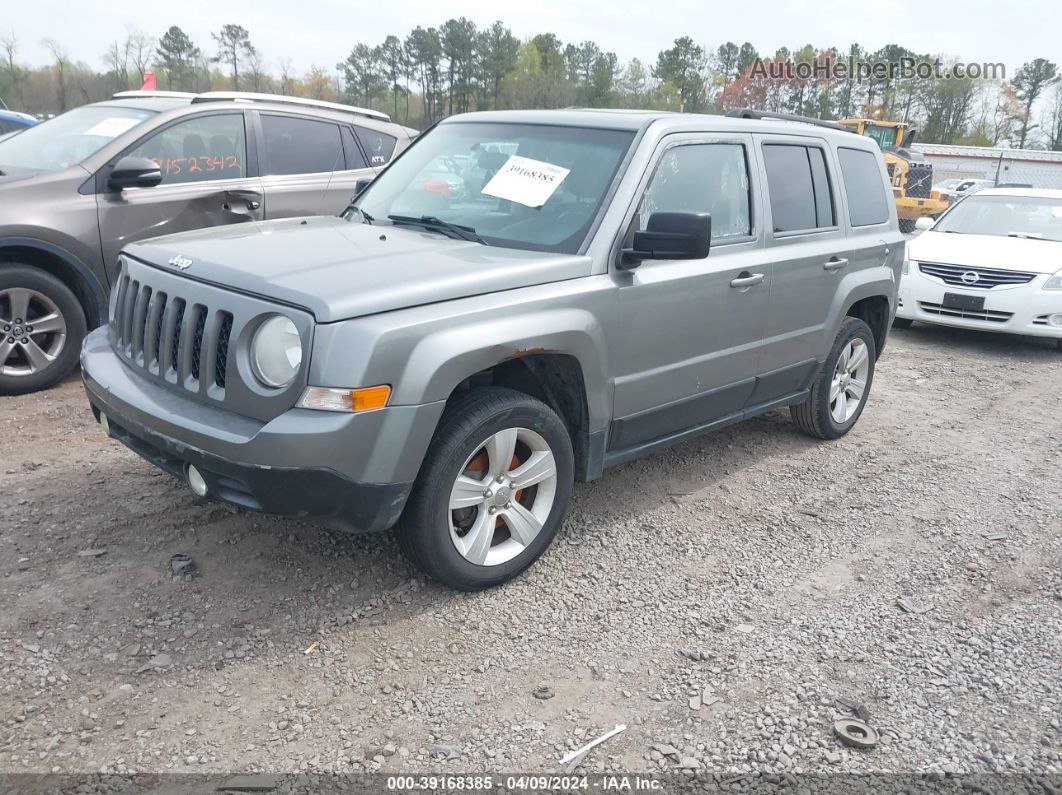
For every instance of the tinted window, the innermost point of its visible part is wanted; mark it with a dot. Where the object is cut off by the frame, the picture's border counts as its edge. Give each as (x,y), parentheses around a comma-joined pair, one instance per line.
(704,178)
(8,126)
(821,181)
(378,146)
(199,149)
(799,187)
(355,159)
(867,203)
(300,146)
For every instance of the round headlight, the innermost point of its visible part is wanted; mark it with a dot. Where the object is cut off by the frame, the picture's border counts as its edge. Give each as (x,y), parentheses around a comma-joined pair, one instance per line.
(276,352)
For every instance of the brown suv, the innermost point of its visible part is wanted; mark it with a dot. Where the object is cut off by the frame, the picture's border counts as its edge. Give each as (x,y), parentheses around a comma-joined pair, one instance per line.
(77,188)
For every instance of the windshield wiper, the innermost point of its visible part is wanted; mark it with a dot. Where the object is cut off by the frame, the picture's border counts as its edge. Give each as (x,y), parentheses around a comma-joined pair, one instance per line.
(439,225)
(1026,236)
(368,218)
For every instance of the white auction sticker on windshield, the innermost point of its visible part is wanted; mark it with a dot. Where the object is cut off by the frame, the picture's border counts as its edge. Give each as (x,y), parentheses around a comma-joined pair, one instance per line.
(526,181)
(113,127)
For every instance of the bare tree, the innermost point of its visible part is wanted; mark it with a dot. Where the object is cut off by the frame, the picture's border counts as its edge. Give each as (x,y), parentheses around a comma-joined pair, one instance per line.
(9,44)
(117,58)
(140,49)
(62,62)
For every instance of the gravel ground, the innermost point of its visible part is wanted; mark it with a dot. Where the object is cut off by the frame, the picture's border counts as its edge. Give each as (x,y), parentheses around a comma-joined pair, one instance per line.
(725,600)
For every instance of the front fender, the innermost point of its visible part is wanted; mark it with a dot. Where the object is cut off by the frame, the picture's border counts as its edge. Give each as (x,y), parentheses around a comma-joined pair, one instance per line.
(442,360)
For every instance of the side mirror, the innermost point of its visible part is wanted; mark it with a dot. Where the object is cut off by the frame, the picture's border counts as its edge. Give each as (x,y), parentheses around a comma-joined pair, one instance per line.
(135,172)
(924,223)
(670,236)
(361,185)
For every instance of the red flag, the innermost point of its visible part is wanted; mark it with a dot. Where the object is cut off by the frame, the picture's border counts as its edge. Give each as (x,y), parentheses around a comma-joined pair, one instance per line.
(149,82)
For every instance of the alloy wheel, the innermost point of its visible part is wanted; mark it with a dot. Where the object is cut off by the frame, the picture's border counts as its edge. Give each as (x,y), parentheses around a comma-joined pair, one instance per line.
(849,382)
(32,331)
(502,496)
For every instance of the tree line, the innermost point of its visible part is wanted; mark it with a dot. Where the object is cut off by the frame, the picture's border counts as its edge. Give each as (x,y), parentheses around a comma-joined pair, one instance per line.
(456,67)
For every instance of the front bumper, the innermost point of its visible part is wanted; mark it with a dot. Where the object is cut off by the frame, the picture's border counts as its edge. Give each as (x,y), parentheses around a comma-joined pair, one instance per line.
(1021,309)
(352,471)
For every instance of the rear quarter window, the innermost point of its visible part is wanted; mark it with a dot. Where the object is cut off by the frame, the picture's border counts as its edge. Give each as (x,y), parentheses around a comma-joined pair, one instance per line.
(378,146)
(867,202)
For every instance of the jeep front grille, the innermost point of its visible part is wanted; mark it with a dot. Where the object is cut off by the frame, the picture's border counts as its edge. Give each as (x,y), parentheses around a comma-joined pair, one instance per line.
(984,278)
(185,336)
(184,343)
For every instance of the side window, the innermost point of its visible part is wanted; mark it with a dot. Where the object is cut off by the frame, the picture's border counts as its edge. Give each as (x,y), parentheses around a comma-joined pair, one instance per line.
(799,187)
(378,146)
(300,146)
(706,178)
(200,149)
(355,159)
(867,203)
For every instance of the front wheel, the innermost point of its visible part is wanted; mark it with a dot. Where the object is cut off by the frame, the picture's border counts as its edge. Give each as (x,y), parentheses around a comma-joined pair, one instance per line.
(843,385)
(492,491)
(41,329)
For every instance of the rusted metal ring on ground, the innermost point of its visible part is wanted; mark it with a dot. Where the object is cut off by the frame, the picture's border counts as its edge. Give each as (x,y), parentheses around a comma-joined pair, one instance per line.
(856,733)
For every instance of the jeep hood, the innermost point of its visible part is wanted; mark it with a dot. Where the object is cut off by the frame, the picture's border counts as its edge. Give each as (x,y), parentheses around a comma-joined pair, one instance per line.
(341,269)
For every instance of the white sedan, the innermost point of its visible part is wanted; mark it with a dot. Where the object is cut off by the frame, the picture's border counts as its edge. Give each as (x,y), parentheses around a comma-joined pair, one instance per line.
(992,262)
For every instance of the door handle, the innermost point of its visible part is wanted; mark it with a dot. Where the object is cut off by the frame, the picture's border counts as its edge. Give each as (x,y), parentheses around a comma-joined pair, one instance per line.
(835,264)
(242,201)
(746,279)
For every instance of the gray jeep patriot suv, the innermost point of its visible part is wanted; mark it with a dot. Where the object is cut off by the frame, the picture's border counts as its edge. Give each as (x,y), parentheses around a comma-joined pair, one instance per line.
(77,188)
(520,300)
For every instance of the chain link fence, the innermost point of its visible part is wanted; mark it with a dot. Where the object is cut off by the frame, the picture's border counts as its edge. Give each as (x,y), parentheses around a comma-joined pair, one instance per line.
(1026,168)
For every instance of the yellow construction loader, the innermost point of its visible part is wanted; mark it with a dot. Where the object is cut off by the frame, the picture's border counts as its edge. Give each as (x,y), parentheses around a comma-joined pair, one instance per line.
(911,175)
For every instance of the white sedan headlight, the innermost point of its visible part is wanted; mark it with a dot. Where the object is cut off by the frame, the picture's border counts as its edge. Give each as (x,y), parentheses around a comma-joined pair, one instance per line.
(1054,283)
(276,352)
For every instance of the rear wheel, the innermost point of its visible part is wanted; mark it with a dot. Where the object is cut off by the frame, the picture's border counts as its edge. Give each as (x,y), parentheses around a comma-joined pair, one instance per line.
(492,491)
(42,326)
(843,385)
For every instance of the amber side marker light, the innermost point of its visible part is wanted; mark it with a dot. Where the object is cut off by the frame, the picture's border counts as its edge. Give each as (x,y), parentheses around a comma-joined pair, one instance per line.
(324,398)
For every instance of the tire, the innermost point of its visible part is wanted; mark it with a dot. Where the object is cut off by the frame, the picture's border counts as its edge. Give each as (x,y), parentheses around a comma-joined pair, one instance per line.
(431,529)
(55,347)
(815,416)
(907,225)
(902,322)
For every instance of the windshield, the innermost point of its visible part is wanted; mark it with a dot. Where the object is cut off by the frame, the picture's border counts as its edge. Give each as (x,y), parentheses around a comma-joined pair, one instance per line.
(1028,216)
(68,138)
(523,186)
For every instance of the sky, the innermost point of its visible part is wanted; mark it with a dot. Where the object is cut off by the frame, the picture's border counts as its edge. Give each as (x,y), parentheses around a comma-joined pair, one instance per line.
(322,32)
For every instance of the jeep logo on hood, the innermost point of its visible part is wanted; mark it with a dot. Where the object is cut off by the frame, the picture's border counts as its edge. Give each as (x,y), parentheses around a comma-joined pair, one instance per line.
(180,263)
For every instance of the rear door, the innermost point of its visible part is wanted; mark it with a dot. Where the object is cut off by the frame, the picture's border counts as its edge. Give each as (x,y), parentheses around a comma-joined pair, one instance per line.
(806,241)
(207,180)
(310,166)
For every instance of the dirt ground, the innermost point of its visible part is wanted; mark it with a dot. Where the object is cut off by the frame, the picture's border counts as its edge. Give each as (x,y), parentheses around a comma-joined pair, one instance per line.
(717,599)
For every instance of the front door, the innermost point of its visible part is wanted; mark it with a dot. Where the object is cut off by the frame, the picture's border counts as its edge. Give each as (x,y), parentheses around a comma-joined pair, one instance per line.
(309,166)
(689,331)
(206,181)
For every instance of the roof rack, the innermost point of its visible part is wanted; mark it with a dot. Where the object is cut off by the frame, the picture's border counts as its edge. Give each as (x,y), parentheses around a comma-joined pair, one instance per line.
(749,113)
(248,96)
(153,95)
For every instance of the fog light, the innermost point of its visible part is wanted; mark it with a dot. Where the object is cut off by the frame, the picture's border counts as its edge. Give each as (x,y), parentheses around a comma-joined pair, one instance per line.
(1055,319)
(106,424)
(195,480)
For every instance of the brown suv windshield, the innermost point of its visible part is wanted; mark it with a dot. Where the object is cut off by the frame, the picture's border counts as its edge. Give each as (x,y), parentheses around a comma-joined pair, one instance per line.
(69,138)
(522,186)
